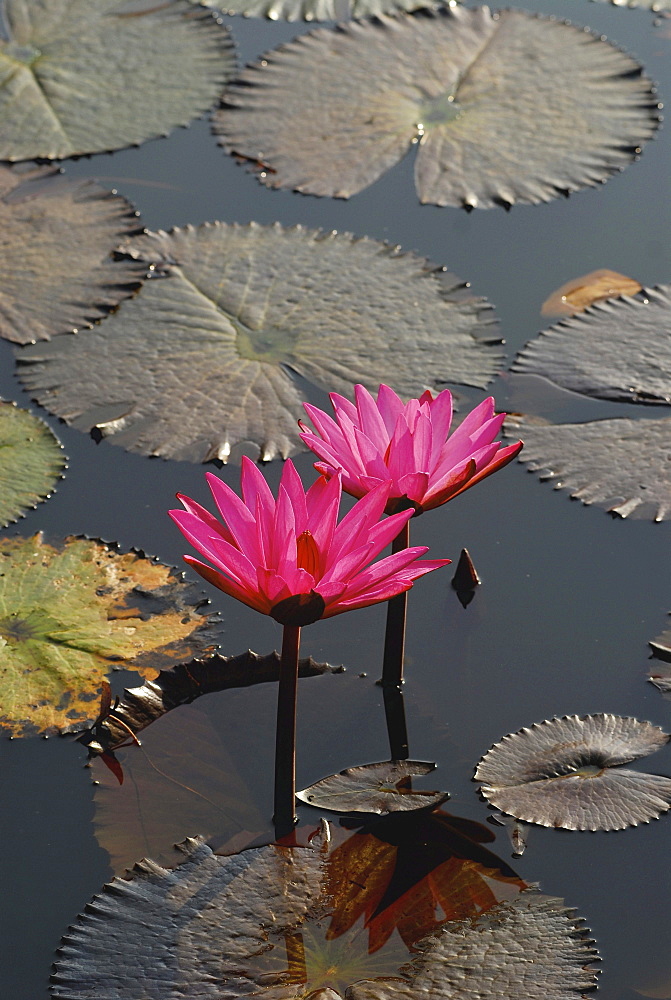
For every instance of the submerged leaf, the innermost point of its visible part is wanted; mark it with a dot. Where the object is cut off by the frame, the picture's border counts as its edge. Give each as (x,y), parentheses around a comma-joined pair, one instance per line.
(561,773)
(620,465)
(182,684)
(373,788)
(579,293)
(619,349)
(253,924)
(503,107)
(198,361)
(58,272)
(84,76)
(31,461)
(72,611)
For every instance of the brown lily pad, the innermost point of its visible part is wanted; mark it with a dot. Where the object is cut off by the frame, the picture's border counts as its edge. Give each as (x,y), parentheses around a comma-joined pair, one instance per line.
(71,611)
(56,254)
(253,923)
(200,360)
(373,788)
(502,107)
(565,773)
(619,464)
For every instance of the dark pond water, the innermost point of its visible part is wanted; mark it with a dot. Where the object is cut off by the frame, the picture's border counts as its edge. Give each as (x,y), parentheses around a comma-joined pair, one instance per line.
(569,599)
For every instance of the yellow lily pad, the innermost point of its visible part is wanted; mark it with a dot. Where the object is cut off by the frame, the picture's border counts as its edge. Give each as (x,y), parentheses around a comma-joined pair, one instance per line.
(74,610)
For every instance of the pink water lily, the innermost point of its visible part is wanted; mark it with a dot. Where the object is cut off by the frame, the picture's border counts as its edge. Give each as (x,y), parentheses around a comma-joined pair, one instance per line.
(289,557)
(407,445)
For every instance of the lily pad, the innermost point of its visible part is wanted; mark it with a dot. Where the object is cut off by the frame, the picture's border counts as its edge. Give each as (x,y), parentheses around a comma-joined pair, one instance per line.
(579,293)
(621,465)
(72,611)
(619,349)
(314,10)
(199,360)
(64,277)
(503,108)
(31,461)
(252,924)
(562,773)
(373,788)
(76,75)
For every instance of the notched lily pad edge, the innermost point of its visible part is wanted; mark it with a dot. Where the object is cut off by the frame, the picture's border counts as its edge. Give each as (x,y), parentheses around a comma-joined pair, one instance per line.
(183,684)
(58,476)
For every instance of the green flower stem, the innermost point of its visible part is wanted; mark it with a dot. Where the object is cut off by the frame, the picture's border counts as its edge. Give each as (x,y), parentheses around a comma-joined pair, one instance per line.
(284,816)
(394,637)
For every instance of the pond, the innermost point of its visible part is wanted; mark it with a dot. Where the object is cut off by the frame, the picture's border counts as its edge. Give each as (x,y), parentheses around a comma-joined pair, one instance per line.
(570,595)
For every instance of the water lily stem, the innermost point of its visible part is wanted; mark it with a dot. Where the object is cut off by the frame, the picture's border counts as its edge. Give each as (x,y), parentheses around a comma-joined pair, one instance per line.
(394,637)
(284,816)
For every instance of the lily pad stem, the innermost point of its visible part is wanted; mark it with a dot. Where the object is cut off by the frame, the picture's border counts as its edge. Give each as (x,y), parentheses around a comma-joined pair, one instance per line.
(284,816)
(394,637)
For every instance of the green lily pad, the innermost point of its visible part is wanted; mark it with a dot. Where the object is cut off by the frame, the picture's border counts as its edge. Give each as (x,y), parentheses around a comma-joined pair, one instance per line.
(565,773)
(314,10)
(74,610)
(502,107)
(199,360)
(621,465)
(373,788)
(31,461)
(64,277)
(85,76)
(619,349)
(253,925)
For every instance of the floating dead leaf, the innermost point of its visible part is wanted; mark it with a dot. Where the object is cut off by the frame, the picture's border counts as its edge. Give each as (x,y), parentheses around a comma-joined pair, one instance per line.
(565,773)
(31,462)
(72,611)
(59,273)
(199,360)
(576,295)
(253,923)
(619,349)
(76,75)
(620,465)
(373,788)
(503,107)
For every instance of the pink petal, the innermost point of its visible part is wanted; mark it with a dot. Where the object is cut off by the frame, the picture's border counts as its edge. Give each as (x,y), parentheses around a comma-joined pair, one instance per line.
(503,457)
(196,533)
(343,407)
(413,486)
(323,503)
(251,598)
(283,539)
(452,483)
(441,420)
(234,563)
(254,485)
(239,519)
(215,526)
(390,407)
(359,519)
(370,419)
(291,482)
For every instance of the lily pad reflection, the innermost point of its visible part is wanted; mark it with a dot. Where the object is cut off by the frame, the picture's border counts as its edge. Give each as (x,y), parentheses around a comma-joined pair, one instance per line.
(199,361)
(564,773)
(502,107)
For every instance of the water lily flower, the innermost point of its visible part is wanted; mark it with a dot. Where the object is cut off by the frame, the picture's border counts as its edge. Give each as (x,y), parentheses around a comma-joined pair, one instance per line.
(408,445)
(289,557)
